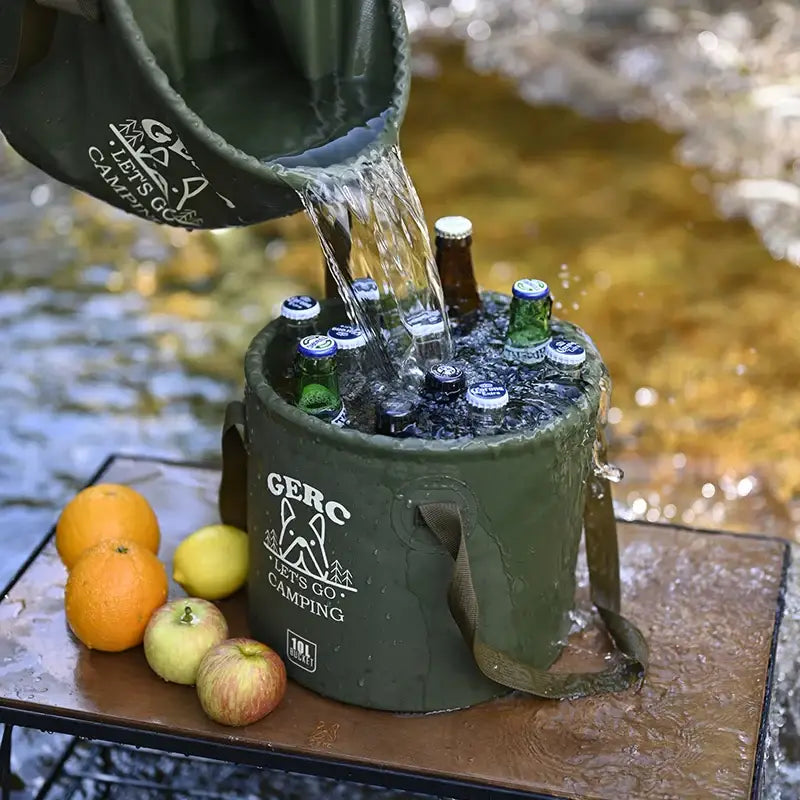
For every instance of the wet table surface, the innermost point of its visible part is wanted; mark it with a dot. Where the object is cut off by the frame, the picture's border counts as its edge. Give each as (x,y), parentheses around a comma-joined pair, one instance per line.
(708,602)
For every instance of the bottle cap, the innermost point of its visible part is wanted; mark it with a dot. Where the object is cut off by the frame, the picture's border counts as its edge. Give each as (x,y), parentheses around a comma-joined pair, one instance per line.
(453,228)
(316,346)
(435,322)
(487,395)
(366,289)
(347,337)
(300,307)
(425,323)
(530,289)
(446,378)
(394,416)
(564,353)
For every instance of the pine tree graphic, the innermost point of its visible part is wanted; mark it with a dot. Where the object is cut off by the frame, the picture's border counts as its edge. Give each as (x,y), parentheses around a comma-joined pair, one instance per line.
(271,541)
(131,131)
(347,578)
(336,572)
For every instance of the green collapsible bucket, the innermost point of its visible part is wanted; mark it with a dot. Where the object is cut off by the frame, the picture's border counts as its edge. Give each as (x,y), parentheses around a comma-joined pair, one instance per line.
(416,575)
(201,113)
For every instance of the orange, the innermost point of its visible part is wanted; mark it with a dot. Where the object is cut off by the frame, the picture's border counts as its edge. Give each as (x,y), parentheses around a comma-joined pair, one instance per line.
(112,591)
(105,511)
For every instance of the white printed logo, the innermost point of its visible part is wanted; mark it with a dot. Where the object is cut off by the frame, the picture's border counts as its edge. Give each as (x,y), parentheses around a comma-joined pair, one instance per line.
(305,550)
(301,651)
(304,572)
(139,153)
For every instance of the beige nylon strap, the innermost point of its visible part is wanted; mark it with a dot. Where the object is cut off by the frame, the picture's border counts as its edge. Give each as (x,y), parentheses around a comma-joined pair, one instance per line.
(444,520)
(89,9)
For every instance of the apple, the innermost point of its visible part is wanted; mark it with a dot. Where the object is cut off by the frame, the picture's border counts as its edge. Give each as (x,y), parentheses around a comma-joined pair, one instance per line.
(179,634)
(240,681)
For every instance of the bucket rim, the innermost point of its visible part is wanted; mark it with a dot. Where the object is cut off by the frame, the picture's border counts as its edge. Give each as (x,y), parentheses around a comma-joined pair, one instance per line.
(257,386)
(122,15)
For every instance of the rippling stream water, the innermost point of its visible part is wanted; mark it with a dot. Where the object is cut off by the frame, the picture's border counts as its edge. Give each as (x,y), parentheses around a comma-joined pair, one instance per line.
(119,335)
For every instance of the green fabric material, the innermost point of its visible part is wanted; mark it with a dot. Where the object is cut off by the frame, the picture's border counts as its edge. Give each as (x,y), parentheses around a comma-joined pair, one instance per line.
(522,498)
(26,30)
(205,114)
(89,9)
(445,521)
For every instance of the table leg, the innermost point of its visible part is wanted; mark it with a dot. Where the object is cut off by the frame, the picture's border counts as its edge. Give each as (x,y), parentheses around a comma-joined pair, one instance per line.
(5,763)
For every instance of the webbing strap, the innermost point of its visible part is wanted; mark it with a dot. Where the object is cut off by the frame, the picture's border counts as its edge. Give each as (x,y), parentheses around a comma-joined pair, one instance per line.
(444,520)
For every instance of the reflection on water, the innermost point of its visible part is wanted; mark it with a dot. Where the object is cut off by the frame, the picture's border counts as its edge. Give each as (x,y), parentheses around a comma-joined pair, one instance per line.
(722,73)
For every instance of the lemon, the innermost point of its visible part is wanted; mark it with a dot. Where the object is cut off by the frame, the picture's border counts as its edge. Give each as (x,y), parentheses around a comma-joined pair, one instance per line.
(212,562)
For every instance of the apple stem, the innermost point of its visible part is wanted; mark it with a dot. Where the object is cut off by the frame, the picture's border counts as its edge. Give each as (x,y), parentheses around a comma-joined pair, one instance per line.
(187,615)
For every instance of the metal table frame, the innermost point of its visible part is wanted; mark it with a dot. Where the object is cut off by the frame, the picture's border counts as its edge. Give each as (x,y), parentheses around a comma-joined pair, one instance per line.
(293,762)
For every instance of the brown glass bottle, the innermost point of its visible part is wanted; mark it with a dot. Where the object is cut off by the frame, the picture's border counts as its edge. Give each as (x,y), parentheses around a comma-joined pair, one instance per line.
(454,262)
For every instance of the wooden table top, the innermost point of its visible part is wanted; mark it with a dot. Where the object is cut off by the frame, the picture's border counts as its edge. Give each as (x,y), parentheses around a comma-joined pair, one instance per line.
(708,607)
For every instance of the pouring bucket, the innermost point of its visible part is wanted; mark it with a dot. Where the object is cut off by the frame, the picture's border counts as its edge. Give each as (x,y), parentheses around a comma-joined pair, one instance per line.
(201,114)
(356,538)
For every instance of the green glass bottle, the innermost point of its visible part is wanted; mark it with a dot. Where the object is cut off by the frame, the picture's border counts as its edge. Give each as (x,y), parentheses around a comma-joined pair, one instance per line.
(317,380)
(529,321)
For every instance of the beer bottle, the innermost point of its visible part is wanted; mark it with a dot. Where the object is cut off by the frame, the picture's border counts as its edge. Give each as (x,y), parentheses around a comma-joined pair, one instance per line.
(566,357)
(396,416)
(368,296)
(317,381)
(445,382)
(299,317)
(427,329)
(351,345)
(487,403)
(454,262)
(367,292)
(395,332)
(529,321)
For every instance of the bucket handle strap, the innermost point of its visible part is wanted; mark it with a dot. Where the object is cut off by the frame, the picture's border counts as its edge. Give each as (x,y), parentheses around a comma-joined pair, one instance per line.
(444,520)
(233,486)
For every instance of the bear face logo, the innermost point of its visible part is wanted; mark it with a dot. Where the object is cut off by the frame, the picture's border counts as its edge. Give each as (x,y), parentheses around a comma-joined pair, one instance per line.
(302,545)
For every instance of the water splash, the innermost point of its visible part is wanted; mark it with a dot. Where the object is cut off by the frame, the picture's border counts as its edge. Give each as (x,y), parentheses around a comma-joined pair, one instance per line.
(370,223)
(724,74)
(600,467)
